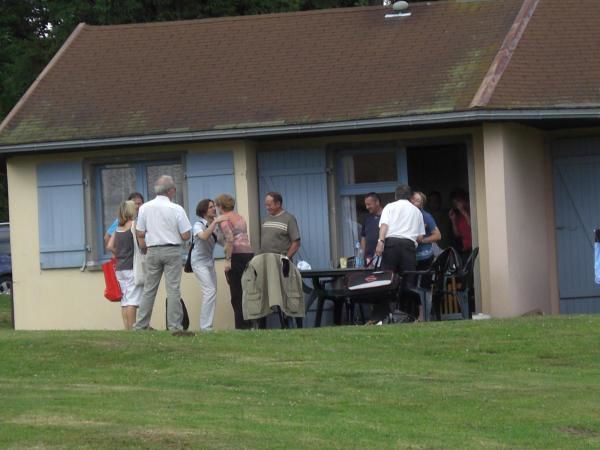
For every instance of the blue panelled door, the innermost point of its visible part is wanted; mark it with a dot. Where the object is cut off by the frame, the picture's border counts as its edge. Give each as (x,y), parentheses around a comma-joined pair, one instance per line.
(300,176)
(208,175)
(577,210)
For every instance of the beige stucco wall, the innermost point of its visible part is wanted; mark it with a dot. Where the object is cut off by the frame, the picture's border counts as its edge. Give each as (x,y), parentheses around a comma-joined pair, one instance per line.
(511,177)
(72,299)
(479,219)
(246,186)
(517,179)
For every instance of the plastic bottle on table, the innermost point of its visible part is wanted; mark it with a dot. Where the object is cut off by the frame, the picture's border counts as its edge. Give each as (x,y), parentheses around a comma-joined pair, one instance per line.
(359,255)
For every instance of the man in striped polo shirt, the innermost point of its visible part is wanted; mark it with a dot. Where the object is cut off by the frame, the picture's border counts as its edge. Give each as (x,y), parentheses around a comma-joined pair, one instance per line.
(279,232)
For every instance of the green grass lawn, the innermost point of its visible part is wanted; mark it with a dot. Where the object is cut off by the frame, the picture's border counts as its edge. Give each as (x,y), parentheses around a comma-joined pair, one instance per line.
(500,384)
(5,311)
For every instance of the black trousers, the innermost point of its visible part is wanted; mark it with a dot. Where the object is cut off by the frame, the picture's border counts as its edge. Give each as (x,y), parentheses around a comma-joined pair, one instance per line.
(398,255)
(239,261)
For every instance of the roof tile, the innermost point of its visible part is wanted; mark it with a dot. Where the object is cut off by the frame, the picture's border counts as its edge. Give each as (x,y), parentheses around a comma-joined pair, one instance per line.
(297,68)
(556,63)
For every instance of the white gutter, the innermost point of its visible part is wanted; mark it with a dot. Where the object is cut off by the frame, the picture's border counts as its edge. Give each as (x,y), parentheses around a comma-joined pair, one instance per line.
(280,130)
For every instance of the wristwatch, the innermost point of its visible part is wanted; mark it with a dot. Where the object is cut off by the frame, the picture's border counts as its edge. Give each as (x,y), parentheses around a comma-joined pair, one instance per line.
(381,240)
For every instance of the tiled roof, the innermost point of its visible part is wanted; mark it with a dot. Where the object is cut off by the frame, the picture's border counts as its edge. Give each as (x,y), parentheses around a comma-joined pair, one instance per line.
(283,69)
(556,63)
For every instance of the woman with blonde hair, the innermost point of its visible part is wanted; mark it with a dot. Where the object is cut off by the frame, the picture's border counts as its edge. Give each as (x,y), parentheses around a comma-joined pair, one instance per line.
(238,253)
(122,244)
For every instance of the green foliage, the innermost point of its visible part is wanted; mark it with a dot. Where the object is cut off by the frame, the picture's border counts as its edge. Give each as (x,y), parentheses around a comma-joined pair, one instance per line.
(527,383)
(24,50)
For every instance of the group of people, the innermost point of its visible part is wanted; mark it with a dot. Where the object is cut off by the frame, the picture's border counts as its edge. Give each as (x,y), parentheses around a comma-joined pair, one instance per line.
(443,227)
(160,227)
(403,234)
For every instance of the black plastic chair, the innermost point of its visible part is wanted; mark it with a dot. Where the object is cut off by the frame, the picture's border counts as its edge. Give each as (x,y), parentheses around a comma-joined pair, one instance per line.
(452,294)
(430,283)
(463,279)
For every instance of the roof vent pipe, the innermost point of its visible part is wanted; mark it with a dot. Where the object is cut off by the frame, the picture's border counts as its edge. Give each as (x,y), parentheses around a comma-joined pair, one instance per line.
(400,9)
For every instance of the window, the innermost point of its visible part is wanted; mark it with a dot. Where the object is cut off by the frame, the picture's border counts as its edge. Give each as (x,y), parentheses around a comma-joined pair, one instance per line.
(371,167)
(116,181)
(78,199)
(360,171)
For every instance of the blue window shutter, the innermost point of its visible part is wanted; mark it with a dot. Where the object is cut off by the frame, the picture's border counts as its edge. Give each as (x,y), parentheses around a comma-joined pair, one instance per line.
(208,175)
(61,215)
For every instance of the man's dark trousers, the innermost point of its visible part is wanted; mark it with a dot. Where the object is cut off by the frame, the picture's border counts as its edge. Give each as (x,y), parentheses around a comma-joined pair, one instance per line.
(399,255)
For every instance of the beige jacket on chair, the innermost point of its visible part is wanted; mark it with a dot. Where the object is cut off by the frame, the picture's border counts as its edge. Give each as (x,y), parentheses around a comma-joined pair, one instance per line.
(266,284)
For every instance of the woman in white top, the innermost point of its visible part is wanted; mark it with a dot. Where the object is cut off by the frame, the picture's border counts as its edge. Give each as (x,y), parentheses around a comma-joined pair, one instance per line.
(205,238)
(122,245)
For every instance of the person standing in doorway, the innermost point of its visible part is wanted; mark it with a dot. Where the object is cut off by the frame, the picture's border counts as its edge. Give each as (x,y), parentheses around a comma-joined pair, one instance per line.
(279,232)
(432,233)
(370,228)
(440,215)
(425,253)
(162,227)
(460,216)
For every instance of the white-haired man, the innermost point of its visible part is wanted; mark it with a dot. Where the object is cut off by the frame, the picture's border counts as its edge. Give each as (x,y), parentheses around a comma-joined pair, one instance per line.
(162,226)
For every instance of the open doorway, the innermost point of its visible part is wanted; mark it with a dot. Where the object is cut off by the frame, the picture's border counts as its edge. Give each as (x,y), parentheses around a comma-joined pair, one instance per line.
(440,171)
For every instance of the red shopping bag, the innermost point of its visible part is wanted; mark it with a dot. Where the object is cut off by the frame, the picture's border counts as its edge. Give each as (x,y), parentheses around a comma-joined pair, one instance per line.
(112,292)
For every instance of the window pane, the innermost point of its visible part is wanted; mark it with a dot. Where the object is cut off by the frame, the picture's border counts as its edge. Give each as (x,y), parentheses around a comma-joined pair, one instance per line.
(370,167)
(117,184)
(154,172)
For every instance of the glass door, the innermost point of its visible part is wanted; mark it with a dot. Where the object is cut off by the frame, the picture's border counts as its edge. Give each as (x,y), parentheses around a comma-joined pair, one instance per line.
(362,171)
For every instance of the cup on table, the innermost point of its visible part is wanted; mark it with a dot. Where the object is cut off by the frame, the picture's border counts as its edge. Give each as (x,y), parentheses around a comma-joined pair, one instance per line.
(343,262)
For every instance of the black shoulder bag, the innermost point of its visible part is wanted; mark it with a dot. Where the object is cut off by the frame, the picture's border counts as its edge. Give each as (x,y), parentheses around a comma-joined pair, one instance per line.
(188,262)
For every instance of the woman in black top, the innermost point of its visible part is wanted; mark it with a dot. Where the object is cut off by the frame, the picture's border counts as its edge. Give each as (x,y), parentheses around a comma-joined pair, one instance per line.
(122,245)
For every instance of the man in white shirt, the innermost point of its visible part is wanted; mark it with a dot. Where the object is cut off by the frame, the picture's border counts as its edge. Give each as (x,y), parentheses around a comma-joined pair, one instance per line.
(162,226)
(401,228)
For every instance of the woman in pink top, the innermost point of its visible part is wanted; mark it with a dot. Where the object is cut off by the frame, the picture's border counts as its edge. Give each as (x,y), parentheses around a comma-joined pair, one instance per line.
(238,253)
(460,216)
